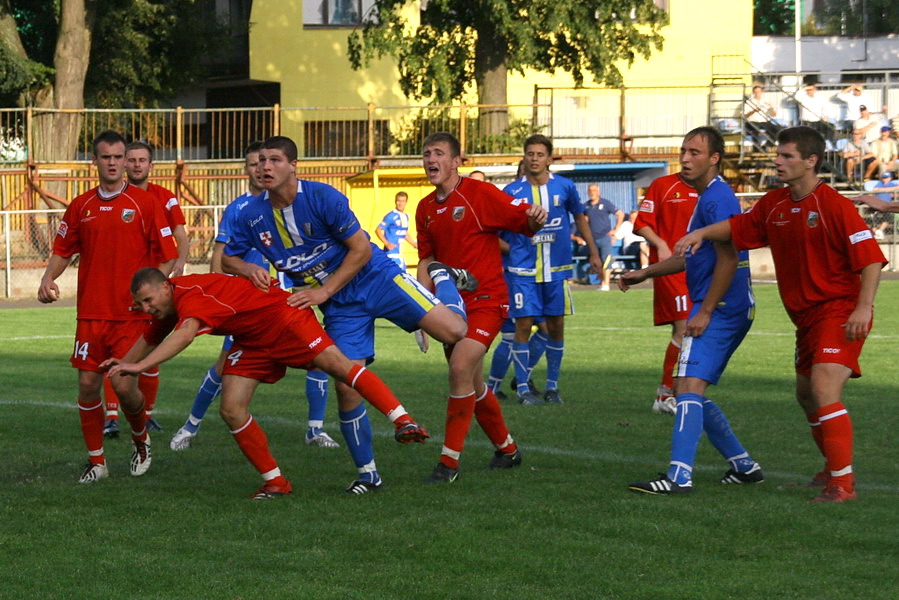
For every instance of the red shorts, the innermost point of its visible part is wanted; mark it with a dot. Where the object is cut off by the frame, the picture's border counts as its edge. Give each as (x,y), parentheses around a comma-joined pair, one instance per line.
(484,324)
(825,342)
(670,299)
(301,339)
(97,340)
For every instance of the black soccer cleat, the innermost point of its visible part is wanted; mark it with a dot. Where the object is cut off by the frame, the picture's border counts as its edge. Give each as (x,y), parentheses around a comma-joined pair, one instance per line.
(660,486)
(504,460)
(359,487)
(753,475)
(442,474)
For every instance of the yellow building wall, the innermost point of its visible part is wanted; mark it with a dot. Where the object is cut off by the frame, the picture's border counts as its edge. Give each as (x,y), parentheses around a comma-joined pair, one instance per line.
(312,66)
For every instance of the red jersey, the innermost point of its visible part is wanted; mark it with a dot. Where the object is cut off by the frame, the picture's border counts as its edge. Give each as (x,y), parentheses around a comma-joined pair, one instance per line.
(819,244)
(169,203)
(228,305)
(461,231)
(667,209)
(115,236)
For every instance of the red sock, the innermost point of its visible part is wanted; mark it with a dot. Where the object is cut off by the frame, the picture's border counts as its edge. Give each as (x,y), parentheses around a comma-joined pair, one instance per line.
(254,445)
(815,428)
(373,389)
(91,415)
(490,417)
(112,401)
(836,441)
(458,419)
(138,422)
(148,382)
(671,353)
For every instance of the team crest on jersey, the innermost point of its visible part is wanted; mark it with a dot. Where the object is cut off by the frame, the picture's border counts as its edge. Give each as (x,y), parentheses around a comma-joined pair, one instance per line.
(127,214)
(63,229)
(266,238)
(812,219)
(458,213)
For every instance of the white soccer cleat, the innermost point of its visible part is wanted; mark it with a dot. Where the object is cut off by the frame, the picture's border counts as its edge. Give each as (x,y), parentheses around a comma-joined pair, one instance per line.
(141,457)
(322,440)
(181,440)
(665,402)
(94,473)
(421,338)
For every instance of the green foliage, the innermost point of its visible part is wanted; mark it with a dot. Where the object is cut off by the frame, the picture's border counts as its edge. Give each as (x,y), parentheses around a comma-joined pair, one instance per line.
(561,526)
(457,41)
(409,137)
(18,74)
(773,17)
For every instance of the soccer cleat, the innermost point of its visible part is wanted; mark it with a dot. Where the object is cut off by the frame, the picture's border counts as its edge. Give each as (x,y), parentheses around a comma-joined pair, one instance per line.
(153,425)
(552,397)
(321,439)
(753,475)
(141,457)
(409,431)
(665,402)
(273,489)
(93,473)
(182,439)
(504,460)
(820,479)
(662,485)
(529,398)
(532,387)
(442,474)
(835,493)
(421,339)
(363,487)
(464,280)
(111,429)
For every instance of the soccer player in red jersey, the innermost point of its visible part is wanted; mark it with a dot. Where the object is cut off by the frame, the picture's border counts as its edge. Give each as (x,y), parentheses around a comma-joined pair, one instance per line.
(458,225)
(828,267)
(663,219)
(138,166)
(116,228)
(269,336)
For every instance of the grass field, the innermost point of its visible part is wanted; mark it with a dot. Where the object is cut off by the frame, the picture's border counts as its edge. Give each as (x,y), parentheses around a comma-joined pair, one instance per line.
(562,526)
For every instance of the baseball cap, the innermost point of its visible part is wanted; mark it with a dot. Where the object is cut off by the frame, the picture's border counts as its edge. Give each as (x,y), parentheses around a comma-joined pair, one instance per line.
(886,128)
(886,174)
(862,107)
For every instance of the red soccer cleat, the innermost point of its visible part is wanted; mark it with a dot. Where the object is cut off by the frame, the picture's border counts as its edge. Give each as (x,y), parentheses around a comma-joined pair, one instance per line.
(408,431)
(835,493)
(275,488)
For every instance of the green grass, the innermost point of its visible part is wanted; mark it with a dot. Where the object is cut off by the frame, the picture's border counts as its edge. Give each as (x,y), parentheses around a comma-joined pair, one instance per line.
(562,526)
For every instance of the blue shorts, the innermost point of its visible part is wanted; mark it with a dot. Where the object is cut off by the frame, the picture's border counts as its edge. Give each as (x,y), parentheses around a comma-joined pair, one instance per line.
(379,290)
(706,356)
(527,298)
(604,246)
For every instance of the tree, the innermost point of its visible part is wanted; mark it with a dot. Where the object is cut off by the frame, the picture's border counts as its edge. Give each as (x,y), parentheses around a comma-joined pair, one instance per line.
(458,42)
(773,17)
(147,51)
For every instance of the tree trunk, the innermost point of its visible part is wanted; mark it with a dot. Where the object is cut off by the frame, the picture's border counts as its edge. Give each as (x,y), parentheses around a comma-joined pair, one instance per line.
(490,75)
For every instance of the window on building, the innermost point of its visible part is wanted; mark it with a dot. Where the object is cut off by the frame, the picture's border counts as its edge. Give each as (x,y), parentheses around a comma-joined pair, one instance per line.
(335,13)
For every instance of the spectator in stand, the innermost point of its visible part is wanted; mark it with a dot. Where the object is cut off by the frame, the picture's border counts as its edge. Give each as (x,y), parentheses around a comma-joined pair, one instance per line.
(855,97)
(867,124)
(631,243)
(886,151)
(857,156)
(813,110)
(758,114)
(599,215)
(885,190)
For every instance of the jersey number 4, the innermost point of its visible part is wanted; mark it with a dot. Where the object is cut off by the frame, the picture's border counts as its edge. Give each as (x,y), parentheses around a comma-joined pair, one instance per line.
(235,356)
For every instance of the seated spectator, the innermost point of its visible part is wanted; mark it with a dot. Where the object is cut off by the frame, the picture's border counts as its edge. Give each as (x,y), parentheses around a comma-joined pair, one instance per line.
(886,153)
(759,115)
(631,243)
(868,124)
(857,153)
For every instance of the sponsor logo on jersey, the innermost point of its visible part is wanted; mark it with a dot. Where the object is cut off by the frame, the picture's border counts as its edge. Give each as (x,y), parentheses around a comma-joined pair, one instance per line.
(315,342)
(480,331)
(166,231)
(458,213)
(266,238)
(440,210)
(127,214)
(647,206)
(780,222)
(860,236)
(830,350)
(795,209)
(172,202)
(518,201)
(63,229)
(543,238)
(812,219)
(103,209)
(256,220)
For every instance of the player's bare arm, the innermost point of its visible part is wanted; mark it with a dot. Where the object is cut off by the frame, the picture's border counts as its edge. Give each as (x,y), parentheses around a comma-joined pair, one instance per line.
(726,262)
(583,229)
(653,239)
(669,266)
(876,203)
(48,291)
(170,347)
(358,254)
(215,263)
(183,242)
(716,232)
(859,322)
(536,217)
(380,233)
(235,265)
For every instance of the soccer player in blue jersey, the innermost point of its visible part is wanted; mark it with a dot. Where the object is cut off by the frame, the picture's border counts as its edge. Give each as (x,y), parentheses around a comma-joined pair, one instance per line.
(316,381)
(539,267)
(393,230)
(723,309)
(307,231)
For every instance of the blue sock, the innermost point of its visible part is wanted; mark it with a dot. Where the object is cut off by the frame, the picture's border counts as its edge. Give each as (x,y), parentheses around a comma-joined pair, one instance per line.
(717,428)
(446,292)
(536,347)
(554,352)
(317,396)
(209,389)
(520,361)
(356,430)
(502,357)
(685,437)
